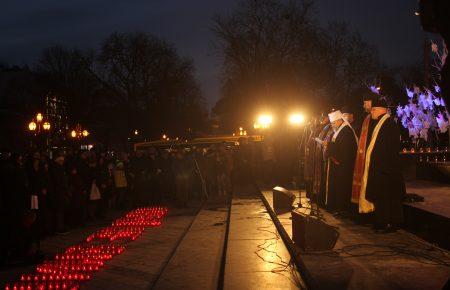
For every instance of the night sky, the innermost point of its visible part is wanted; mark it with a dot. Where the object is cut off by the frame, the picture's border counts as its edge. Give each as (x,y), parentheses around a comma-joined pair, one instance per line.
(27,27)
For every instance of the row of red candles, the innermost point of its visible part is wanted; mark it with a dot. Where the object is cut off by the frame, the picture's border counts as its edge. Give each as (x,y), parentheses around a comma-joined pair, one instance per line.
(77,263)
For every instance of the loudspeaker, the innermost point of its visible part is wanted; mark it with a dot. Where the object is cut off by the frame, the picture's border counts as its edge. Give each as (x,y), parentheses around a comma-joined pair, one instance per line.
(282,199)
(310,233)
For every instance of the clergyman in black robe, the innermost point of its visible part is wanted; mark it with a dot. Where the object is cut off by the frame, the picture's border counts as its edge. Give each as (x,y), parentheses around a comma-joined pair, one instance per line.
(341,153)
(385,185)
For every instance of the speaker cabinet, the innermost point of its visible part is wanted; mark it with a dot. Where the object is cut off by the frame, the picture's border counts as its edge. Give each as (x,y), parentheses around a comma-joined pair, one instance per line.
(282,199)
(312,234)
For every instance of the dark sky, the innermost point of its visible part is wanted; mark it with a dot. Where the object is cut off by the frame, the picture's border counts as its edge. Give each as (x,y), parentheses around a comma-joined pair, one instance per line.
(27,27)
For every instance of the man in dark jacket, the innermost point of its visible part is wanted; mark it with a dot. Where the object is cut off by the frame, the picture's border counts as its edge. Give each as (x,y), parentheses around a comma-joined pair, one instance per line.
(383,182)
(61,192)
(16,208)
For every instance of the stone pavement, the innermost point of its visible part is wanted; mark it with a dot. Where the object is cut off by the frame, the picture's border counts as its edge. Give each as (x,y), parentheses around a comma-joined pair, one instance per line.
(54,244)
(256,257)
(143,260)
(137,267)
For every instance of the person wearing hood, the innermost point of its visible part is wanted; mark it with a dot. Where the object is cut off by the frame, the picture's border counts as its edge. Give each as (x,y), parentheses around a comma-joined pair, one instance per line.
(340,152)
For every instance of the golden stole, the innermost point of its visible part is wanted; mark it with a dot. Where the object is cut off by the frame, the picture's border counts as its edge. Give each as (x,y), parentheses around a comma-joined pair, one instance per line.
(366,206)
(360,159)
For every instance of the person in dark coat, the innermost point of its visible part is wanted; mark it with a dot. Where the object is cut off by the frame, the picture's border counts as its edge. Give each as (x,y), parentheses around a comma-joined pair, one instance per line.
(78,200)
(105,183)
(340,153)
(16,209)
(385,186)
(165,183)
(61,192)
(182,168)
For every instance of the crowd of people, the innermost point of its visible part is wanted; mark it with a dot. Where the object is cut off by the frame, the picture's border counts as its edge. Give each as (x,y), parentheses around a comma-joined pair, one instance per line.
(353,168)
(42,196)
(349,166)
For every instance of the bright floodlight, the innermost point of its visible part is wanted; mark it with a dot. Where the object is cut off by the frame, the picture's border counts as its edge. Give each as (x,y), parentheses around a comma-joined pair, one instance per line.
(265,121)
(296,119)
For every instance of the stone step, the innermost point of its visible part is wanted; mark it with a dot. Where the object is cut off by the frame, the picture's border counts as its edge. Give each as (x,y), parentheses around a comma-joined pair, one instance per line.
(196,262)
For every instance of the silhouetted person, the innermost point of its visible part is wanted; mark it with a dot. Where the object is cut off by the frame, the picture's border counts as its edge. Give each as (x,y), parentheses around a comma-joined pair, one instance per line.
(61,192)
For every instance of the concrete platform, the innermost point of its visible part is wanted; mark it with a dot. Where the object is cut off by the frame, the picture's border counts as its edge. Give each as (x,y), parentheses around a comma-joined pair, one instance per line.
(363,259)
(197,260)
(256,257)
(429,219)
(436,195)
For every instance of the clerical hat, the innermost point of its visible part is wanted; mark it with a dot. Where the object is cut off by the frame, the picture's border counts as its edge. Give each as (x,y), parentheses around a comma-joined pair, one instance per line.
(370,96)
(334,116)
(380,102)
(349,109)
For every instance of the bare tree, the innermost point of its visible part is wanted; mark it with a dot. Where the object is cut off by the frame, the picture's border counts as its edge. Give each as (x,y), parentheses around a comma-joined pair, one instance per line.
(151,82)
(275,55)
(136,81)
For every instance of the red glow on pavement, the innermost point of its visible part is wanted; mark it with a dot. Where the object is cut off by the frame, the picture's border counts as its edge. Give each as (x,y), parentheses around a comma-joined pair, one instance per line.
(77,263)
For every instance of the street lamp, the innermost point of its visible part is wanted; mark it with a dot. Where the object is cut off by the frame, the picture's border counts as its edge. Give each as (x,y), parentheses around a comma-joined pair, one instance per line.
(39,117)
(39,124)
(32,126)
(46,126)
(78,132)
(40,129)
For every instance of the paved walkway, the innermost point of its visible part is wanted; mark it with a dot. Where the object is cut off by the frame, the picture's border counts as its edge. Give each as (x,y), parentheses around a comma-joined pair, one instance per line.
(137,267)
(142,262)
(196,261)
(256,256)
(52,245)
(362,259)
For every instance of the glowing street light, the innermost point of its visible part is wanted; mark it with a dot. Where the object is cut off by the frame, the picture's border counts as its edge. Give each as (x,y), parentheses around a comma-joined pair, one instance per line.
(46,126)
(39,117)
(136,132)
(79,133)
(265,121)
(164,136)
(32,126)
(296,119)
